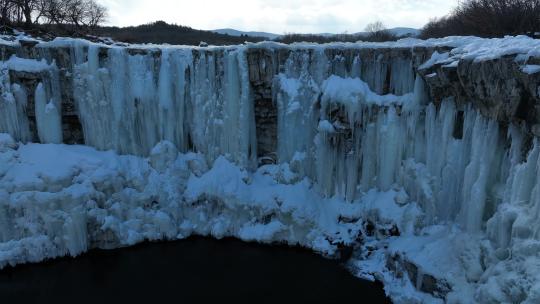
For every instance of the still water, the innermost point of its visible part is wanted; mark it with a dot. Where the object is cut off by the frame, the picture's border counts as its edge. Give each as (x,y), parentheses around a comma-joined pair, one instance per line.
(194,270)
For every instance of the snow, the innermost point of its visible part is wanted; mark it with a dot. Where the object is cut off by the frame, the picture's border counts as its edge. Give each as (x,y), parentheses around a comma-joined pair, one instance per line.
(49,203)
(6,142)
(25,65)
(436,58)
(326,126)
(71,188)
(350,91)
(531,69)
(489,49)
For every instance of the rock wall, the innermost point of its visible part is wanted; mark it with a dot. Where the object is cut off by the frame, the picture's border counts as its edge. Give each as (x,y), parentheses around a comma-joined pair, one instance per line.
(498,88)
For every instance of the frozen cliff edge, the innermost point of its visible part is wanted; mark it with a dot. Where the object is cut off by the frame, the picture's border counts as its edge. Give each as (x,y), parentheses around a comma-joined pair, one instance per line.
(418,161)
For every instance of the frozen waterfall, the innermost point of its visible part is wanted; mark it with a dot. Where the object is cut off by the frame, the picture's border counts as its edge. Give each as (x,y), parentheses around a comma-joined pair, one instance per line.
(351,120)
(129,103)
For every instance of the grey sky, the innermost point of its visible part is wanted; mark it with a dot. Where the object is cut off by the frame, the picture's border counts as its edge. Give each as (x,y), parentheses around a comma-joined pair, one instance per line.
(278,16)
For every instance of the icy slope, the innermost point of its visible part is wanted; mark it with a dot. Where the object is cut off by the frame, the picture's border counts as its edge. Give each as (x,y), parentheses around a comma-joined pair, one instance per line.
(89,199)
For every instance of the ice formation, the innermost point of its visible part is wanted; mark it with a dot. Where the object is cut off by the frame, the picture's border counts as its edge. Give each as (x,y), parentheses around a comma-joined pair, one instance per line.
(443,188)
(130,103)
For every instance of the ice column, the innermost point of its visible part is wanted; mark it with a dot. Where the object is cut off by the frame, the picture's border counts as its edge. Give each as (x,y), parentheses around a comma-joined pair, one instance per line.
(48,117)
(222,118)
(129,102)
(13,103)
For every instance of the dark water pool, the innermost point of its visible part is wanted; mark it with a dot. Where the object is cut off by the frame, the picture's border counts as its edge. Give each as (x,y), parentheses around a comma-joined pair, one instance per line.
(190,271)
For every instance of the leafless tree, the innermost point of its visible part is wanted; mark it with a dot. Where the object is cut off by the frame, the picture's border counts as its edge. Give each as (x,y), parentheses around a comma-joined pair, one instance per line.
(78,13)
(375,27)
(377,31)
(95,14)
(487,18)
(54,11)
(6,11)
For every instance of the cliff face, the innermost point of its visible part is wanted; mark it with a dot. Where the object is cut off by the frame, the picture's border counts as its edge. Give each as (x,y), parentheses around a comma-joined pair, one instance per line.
(499,88)
(446,128)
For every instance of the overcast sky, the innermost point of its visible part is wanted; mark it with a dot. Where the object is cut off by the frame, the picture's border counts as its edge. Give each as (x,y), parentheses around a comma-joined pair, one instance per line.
(278,16)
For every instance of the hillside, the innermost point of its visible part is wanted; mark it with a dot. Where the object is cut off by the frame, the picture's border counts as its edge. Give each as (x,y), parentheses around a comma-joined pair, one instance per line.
(160,32)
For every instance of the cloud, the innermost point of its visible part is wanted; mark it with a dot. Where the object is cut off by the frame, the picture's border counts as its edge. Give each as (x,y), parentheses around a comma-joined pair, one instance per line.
(278,16)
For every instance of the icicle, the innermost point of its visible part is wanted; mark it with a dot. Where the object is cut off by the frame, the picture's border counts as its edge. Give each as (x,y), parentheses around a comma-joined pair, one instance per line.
(369,157)
(402,76)
(48,117)
(476,187)
(182,60)
(165,98)
(13,102)
(118,59)
(388,148)
(356,69)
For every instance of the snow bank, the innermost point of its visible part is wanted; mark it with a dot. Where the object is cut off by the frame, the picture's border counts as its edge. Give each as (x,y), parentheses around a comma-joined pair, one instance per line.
(351,91)
(89,199)
(25,65)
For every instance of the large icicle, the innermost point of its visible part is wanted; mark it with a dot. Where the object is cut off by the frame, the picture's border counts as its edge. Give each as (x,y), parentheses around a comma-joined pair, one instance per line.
(48,117)
(13,109)
(130,102)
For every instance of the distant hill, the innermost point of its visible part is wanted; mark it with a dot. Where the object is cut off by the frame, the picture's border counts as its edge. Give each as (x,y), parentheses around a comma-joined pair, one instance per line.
(237,33)
(397,31)
(160,32)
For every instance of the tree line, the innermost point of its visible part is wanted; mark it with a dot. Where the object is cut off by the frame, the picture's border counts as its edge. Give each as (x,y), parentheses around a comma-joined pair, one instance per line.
(487,18)
(161,32)
(484,18)
(30,13)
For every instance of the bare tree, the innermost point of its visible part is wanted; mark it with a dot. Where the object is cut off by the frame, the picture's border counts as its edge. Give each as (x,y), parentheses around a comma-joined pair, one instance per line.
(54,11)
(78,13)
(376,31)
(6,11)
(22,9)
(487,18)
(375,27)
(94,14)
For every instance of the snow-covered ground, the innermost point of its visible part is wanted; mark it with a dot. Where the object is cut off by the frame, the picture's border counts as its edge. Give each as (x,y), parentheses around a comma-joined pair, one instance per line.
(432,214)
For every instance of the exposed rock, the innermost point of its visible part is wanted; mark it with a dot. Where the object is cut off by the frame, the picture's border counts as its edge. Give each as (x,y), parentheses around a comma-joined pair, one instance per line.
(498,88)
(424,282)
(261,75)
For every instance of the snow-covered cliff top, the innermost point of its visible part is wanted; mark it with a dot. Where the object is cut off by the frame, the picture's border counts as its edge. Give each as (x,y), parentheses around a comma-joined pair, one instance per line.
(463,47)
